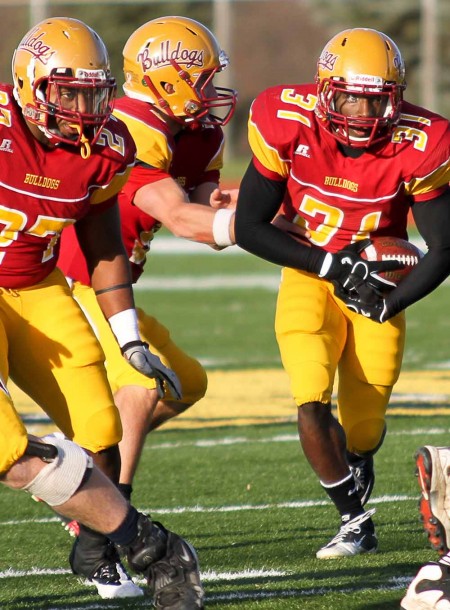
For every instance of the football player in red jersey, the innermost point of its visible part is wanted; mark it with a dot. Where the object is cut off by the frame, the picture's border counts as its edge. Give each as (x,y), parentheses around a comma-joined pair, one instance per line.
(175,114)
(64,160)
(346,158)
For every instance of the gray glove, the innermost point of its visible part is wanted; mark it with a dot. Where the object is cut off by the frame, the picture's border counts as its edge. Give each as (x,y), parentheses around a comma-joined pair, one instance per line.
(142,359)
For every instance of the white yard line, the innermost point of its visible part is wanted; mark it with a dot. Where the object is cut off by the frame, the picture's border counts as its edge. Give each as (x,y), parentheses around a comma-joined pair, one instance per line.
(244,281)
(234,508)
(392,584)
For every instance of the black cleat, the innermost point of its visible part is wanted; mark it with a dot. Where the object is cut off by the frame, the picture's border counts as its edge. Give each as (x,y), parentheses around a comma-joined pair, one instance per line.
(170,565)
(174,580)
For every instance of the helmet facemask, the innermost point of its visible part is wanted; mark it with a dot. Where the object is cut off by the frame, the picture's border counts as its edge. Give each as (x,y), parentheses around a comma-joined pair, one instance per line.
(365,64)
(202,97)
(377,128)
(83,101)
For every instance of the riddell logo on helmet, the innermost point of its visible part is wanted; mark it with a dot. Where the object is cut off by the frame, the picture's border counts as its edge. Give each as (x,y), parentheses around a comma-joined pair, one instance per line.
(34,45)
(83,74)
(186,57)
(363,79)
(327,60)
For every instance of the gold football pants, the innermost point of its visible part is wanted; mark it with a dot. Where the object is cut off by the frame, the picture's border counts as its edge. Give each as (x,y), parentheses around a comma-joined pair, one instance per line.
(49,350)
(190,372)
(319,336)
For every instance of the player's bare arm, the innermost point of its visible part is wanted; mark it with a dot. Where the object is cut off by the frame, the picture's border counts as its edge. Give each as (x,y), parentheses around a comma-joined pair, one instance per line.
(168,203)
(100,239)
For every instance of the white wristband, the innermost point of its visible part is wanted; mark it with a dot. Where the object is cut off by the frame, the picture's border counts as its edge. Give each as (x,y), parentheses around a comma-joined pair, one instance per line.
(221,227)
(125,326)
(326,264)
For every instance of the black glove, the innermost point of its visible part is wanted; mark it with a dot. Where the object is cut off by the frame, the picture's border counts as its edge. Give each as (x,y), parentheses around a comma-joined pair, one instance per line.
(142,359)
(349,269)
(365,300)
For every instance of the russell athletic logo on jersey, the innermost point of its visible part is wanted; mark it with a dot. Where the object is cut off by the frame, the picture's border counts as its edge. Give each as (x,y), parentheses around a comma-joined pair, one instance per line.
(5,146)
(303,151)
(34,45)
(165,54)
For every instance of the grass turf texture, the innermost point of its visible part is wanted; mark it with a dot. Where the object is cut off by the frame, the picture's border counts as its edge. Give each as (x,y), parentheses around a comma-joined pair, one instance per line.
(245,497)
(229,474)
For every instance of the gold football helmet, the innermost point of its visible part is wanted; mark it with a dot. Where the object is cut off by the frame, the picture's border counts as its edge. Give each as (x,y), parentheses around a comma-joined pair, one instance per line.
(171,62)
(61,74)
(362,62)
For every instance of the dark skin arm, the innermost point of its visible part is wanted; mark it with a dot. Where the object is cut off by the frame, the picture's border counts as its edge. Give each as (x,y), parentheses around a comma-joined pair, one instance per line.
(100,239)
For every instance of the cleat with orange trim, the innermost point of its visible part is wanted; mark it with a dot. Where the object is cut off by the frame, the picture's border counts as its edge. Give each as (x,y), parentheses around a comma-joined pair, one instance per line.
(432,470)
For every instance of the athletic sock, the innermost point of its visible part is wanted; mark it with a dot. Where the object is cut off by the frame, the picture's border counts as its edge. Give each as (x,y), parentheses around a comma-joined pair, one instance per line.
(127,531)
(344,497)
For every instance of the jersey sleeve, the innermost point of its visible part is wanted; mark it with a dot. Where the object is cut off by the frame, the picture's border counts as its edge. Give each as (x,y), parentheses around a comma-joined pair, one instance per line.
(429,175)
(139,177)
(151,142)
(108,193)
(267,155)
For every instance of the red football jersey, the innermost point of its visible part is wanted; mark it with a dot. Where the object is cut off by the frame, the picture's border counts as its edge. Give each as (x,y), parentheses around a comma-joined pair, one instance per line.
(338,198)
(192,157)
(44,190)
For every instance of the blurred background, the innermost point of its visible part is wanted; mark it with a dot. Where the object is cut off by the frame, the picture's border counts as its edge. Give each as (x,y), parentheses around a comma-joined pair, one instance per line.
(269,41)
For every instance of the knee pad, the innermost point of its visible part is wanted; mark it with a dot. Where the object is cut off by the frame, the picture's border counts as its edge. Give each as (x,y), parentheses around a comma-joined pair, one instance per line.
(58,481)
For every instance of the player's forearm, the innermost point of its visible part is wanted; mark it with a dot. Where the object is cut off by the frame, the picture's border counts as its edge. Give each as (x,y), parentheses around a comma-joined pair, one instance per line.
(200,223)
(111,281)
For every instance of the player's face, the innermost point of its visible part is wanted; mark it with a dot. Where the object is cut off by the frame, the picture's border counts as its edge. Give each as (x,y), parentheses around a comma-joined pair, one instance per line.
(360,106)
(75,102)
(71,100)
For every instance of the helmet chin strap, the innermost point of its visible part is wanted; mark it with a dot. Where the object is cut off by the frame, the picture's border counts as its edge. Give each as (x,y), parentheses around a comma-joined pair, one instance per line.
(85,147)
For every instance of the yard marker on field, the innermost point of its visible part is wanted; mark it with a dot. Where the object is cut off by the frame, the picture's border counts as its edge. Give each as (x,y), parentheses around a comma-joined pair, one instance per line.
(179,510)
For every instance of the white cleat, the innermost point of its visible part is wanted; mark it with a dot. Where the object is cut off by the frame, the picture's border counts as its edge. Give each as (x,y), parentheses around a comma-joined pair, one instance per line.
(353,538)
(430,589)
(123,588)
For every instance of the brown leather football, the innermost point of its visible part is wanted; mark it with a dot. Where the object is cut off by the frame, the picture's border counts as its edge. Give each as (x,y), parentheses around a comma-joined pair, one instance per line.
(393,248)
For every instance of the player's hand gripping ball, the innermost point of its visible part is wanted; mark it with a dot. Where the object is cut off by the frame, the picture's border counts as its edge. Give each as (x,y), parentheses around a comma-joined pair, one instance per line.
(393,248)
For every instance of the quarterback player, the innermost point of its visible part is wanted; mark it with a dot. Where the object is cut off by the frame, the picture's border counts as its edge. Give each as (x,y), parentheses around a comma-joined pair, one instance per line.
(346,158)
(175,114)
(64,159)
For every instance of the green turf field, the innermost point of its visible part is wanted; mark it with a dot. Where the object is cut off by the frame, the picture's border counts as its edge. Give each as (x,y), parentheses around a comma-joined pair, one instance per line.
(243,494)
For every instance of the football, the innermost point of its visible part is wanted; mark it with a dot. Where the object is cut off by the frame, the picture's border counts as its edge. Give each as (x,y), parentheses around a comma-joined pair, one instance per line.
(393,248)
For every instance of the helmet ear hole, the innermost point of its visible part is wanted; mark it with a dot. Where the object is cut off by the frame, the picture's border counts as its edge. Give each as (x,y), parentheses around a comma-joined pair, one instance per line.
(168,87)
